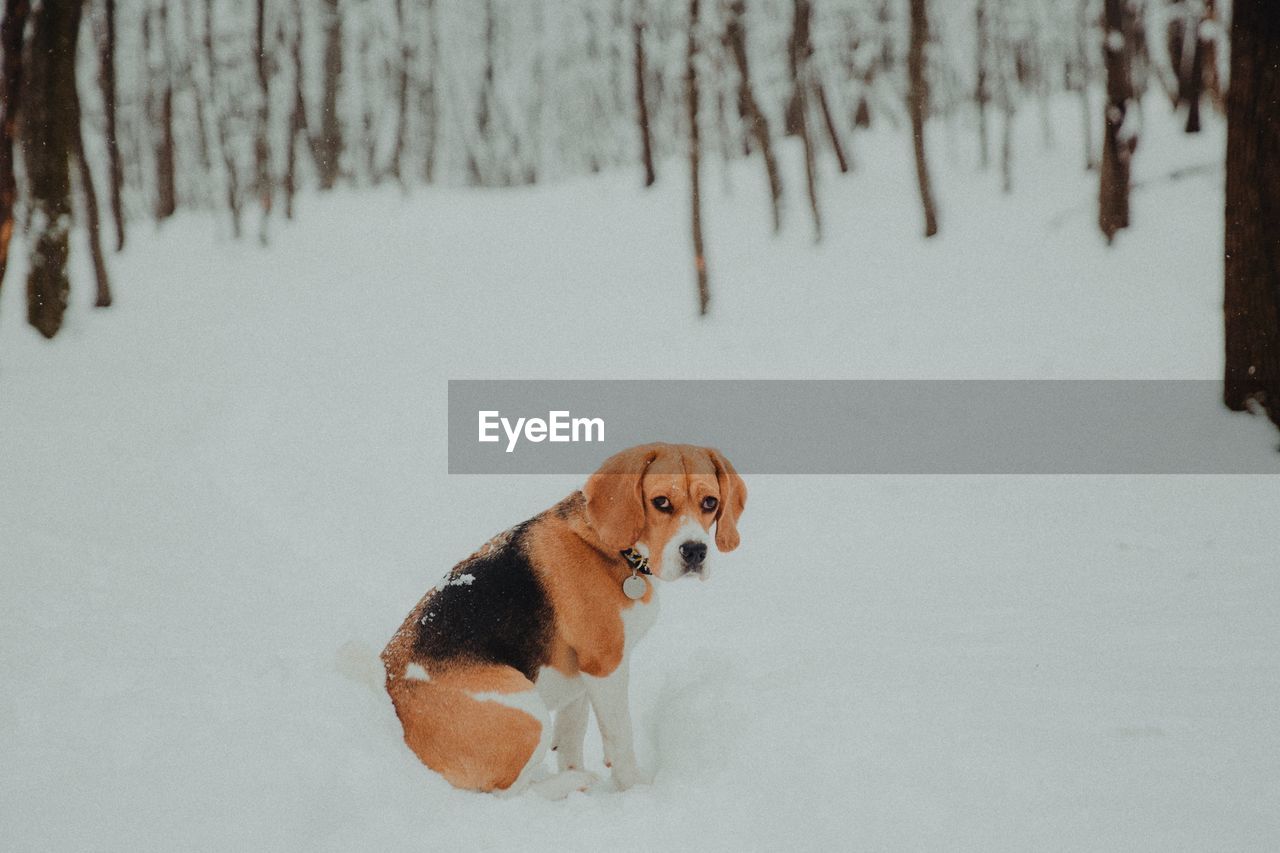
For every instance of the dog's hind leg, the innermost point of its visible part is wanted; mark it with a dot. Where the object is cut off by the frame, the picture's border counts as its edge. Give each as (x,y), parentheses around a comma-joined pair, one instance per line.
(483,728)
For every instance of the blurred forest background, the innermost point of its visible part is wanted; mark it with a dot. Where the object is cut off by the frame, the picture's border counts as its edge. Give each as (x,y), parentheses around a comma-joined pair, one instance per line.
(120,113)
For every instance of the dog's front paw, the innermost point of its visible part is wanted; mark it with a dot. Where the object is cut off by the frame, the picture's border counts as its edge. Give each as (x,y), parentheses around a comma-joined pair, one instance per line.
(625,774)
(568,759)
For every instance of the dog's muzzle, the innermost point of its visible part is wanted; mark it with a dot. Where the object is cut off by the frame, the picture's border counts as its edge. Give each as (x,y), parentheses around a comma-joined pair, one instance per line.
(694,554)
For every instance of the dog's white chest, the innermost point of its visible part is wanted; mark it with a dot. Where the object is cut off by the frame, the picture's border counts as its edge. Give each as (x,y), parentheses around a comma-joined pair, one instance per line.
(637,620)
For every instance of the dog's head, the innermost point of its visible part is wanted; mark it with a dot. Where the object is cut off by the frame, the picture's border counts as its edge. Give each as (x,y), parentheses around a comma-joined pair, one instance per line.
(663,499)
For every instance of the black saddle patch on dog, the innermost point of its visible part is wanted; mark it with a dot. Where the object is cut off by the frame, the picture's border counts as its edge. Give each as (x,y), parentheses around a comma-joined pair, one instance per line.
(492,609)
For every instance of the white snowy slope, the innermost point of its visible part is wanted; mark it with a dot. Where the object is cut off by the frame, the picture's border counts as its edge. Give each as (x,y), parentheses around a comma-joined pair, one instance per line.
(219,499)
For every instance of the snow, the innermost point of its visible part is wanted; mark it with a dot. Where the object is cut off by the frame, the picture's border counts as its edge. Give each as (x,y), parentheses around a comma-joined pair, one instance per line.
(416,672)
(222,496)
(460,580)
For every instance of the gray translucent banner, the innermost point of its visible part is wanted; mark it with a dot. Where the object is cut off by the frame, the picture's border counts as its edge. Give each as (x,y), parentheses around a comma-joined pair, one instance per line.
(862,427)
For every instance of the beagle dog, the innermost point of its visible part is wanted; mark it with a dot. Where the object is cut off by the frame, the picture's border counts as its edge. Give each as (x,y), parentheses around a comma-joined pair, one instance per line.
(542,619)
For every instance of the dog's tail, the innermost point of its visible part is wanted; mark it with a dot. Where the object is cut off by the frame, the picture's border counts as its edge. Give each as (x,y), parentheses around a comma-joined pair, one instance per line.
(356,661)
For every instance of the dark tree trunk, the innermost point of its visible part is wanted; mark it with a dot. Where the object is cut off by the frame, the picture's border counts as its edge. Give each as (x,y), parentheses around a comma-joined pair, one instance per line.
(642,102)
(1252,272)
(89,199)
(918,106)
(327,147)
(162,116)
(829,122)
(799,47)
(1120,139)
(862,116)
(115,167)
(1195,81)
(749,108)
(298,118)
(261,143)
(981,92)
(166,167)
(48,144)
(427,96)
(11,34)
(695,155)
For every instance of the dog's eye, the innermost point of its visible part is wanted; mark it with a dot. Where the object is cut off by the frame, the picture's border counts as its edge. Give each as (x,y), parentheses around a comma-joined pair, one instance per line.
(662,503)
(709,504)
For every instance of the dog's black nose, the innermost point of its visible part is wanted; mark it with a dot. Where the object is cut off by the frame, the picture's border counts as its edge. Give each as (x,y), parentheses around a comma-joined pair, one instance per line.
(693,553)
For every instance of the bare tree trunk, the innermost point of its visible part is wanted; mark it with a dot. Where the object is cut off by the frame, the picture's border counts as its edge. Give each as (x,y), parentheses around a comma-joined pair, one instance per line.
(724,136)
(261,142)
(478,172)
(1086,75)
(695,188)
(368,130)
(107,78)
(749,108)
(832,132)
(327,147)
(642,102)
(402,96)
(427,96)
(981,93)
(48,143)
(801,49)
(1121,139)
(1006,144)
(799,46)
(1252,248)
(233,177)
(89,199)
(1008,54)
(197,96)
(162,115)
(1195,77)
(12,29)
(862,115)
(224,123)
(1042,88)
(918,106)
(298,118)
(166,168)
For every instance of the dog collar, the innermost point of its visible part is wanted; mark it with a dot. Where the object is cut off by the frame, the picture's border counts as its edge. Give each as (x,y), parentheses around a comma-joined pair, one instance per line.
(637,561)
(633,587)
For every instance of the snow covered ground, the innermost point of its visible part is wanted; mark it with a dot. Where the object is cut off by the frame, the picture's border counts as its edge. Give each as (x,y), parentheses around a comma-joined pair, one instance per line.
(219,499)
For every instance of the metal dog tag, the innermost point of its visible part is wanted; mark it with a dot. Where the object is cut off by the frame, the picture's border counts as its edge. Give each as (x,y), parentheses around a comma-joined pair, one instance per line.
(634,587)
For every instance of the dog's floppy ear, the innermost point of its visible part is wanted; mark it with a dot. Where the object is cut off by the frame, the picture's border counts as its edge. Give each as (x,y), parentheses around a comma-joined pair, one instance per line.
(615,504)
(733,498)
